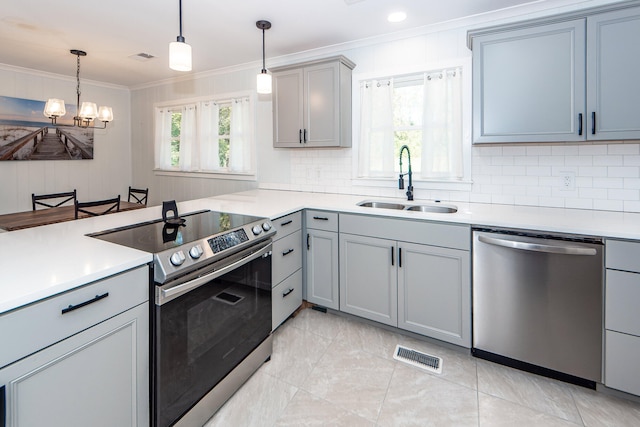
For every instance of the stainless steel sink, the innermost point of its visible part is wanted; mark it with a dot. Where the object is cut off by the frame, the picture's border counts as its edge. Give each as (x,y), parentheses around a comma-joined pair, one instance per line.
(381,205)
(433,208)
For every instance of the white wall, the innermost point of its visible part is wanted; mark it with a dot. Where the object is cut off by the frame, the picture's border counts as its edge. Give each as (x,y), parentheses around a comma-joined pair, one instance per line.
(106,175)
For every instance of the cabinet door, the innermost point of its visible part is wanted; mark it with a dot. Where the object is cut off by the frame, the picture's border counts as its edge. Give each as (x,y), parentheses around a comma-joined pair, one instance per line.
(434,292)
(322,268)
(368,282)
(613,66)
(287,108)
(321,105)
(529,84)
(621,369)
(99,377)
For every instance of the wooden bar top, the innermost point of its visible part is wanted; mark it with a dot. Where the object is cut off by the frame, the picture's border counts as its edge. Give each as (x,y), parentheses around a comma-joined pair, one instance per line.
(19,220)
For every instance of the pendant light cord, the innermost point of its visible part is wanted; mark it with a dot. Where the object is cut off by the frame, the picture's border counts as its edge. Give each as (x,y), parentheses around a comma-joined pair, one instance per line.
(264,68)
(78,86)
(180,38)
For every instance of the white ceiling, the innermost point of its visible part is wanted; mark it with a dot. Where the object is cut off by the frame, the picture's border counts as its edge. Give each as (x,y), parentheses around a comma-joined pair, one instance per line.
(38,34)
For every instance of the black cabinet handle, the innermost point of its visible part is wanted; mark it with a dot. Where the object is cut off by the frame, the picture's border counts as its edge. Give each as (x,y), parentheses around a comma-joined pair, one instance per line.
(287,252)
(580,124)
(300,136)
(593,123)
(284,294)
(82,304)
(399,257)
(392,260)
(286,223)
(305,135)
(321,218)
(308,245)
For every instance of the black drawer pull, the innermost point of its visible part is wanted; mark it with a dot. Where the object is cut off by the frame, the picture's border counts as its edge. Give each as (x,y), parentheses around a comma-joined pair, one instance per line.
(284,294)
(287,252)
(399,257)
(308,242)
(286,223)
(321,218)
(305,135)
(580,124)
(82,304)
(392,260)
(593,123)
(300,136)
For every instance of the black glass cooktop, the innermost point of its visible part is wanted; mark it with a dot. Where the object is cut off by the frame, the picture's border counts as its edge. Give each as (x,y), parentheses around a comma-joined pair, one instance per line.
(156,236)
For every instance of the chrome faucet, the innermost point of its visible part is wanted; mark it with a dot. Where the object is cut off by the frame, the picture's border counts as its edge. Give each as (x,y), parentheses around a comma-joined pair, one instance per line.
(401,178)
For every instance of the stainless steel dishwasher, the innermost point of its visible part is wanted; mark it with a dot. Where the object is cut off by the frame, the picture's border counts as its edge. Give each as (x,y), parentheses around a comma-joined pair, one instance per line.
(537,303)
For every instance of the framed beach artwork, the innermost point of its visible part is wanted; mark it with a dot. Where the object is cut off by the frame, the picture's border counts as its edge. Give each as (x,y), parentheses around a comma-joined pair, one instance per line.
(26,134)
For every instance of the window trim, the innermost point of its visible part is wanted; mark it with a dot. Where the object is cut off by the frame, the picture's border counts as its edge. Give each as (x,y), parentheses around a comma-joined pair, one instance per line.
(463,184)
(251,175)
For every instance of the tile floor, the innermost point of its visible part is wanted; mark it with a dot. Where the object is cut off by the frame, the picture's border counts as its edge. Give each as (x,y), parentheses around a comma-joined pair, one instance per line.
(330,370)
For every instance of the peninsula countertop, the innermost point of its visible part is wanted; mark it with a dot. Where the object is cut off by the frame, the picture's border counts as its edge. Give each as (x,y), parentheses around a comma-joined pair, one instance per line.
(40,262)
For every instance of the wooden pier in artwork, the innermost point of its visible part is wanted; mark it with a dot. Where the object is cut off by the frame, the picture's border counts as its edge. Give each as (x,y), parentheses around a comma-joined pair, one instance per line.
(46,145)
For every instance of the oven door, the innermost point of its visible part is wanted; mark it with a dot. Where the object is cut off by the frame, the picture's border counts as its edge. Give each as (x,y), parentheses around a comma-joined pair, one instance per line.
(205,324)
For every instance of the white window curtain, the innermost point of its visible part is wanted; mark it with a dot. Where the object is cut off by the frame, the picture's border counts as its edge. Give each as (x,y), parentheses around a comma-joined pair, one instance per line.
(375,155)
(241,136)
(209,143)
(163,139)
(442,125)
(188,148)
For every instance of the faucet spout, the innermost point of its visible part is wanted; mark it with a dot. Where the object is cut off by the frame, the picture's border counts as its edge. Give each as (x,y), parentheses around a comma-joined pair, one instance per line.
(409,192)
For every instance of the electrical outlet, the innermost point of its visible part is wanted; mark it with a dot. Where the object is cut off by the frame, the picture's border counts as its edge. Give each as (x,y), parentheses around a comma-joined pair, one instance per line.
(568,181)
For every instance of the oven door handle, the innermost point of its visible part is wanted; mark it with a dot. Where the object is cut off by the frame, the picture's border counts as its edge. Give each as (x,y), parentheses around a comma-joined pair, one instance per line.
(166,295)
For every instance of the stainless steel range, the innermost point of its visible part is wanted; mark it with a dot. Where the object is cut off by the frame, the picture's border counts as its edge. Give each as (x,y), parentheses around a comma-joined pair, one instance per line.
(211,321)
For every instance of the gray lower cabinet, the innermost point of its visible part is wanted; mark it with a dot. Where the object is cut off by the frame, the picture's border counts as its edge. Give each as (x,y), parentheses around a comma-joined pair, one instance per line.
(286,294)
(622,318)
(414,275)
(368,278)
(99,375)
(321,260)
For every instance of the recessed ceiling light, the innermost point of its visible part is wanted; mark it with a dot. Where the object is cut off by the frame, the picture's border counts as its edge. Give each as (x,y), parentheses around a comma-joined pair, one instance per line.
(397,17)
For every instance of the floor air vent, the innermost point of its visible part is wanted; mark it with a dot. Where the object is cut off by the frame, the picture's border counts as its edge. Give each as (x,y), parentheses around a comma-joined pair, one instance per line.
(418,359)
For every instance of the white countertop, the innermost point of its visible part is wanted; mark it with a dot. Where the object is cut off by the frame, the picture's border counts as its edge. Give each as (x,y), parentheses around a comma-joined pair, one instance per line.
(40,262)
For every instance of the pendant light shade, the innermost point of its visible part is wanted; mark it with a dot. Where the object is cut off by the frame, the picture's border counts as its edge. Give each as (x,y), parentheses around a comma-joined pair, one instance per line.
(263,82)
(179,50)
(179,56)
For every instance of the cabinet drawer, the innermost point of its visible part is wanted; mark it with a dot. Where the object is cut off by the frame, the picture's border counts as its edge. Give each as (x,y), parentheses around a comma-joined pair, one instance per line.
(622,255)
(622,370)
(621,302)
(321,220)
(286,298)
(41,324)
(287,256)
(287,224)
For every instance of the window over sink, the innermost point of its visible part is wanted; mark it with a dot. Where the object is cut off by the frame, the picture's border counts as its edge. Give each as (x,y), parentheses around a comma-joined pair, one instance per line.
(425,110)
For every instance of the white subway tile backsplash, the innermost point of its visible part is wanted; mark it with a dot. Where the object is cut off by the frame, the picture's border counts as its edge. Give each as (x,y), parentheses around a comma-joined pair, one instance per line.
(606,176)
(623,171)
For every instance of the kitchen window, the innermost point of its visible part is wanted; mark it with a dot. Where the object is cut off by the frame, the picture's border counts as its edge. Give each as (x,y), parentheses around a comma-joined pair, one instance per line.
(214,136)
(424,111)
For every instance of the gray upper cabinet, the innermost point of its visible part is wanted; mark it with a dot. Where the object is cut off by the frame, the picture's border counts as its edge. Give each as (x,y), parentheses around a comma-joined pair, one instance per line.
(613,66)
(565,81)
(312,104)
(528,84)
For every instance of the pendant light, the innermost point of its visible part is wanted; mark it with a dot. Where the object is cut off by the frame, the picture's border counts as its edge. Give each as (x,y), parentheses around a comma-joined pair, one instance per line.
(85,113)
(264,79)
(179,51)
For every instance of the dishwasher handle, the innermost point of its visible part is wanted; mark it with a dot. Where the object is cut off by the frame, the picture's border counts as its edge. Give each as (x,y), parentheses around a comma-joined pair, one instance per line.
(537,247)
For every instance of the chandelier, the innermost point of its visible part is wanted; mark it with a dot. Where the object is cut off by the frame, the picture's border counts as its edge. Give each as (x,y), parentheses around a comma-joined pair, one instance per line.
(85,113)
